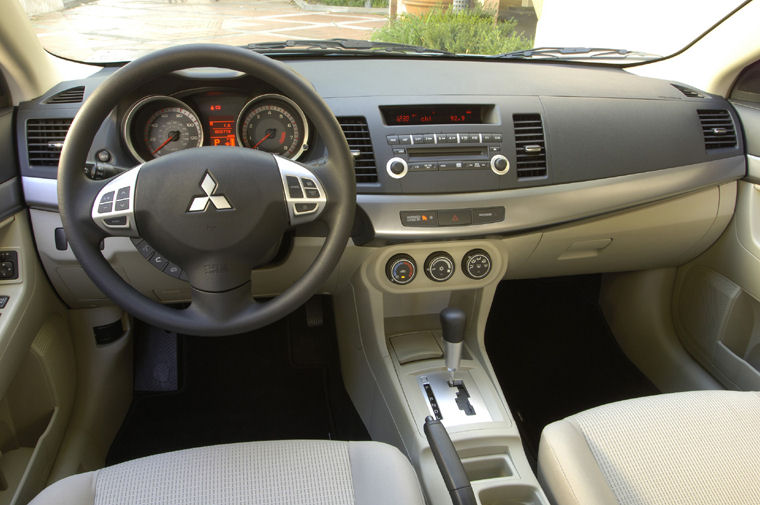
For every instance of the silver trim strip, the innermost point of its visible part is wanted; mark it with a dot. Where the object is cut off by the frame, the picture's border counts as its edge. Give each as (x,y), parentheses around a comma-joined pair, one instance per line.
(40,193)
(753,169)
(543,206)
(527,208)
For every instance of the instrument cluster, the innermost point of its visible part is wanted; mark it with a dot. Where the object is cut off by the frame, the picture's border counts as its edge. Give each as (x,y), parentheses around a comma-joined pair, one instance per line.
(157,125)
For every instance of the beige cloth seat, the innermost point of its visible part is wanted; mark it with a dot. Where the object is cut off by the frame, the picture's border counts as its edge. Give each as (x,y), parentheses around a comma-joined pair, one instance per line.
(684,448)
(292,472)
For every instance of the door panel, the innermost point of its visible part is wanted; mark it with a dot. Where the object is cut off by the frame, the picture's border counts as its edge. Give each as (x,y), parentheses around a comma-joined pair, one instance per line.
(716,306)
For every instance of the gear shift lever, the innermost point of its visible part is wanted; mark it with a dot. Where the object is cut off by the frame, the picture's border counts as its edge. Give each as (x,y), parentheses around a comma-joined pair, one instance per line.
(452,323)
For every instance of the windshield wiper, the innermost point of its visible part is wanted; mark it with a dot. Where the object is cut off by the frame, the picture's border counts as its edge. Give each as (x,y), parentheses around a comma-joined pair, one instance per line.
(578,53)
(343,46)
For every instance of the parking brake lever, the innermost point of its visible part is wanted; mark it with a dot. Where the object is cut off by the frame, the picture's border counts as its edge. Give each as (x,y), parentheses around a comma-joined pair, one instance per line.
(447,459)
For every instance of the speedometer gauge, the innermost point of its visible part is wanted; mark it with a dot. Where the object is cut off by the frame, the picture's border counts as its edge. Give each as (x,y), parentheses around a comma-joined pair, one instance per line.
(275,124)
(159,125)
(172,129)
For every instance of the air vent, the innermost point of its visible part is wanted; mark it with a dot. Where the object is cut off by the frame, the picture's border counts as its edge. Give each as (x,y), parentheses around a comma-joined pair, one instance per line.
(357,135)
(718,128)
(691,93)
(73,95)
(529,145)
(44,140)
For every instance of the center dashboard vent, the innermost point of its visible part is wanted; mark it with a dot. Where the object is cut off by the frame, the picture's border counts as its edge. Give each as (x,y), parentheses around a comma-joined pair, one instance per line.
(44,140)
(73,95)
(530,145)
(717,128)
(357,135)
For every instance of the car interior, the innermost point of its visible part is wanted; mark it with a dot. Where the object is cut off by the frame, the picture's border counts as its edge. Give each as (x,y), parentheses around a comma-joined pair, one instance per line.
(235,277)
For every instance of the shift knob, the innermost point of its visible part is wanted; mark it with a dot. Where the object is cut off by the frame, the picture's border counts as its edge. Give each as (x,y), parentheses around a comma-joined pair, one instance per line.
(452,325)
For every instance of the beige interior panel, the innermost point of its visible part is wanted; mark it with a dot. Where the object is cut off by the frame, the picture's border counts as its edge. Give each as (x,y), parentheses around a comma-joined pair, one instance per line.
(663,234)
(717,299)
(37,378)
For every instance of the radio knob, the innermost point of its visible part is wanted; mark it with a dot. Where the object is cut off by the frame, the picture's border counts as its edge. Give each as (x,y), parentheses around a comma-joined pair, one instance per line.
(401,269)
(476,264)
(439,266)
(396,168)
(499,164)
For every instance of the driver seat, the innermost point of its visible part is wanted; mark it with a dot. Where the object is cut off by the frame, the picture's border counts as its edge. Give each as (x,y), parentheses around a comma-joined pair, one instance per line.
(292,472)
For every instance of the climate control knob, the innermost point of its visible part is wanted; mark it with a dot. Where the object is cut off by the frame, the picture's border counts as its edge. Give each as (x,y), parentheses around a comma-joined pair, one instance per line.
(476,264)
(396,167)
(499,164)
(401,269)
(439,266)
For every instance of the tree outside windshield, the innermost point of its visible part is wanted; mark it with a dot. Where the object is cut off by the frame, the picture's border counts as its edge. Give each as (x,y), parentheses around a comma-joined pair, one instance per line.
(121,30)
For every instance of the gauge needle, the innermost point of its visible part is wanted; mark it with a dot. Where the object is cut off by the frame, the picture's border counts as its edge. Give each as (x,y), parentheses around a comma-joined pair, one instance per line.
(270,133)
(172,136)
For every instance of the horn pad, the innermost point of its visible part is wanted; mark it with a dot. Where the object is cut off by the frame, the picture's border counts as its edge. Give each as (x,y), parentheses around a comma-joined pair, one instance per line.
(212,210)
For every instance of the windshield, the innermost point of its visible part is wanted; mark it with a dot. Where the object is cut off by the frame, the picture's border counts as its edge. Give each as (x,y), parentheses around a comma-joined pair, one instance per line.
(103,31)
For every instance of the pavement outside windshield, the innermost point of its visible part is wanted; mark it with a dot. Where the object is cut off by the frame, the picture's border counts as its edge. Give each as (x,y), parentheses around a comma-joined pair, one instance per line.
(117,30)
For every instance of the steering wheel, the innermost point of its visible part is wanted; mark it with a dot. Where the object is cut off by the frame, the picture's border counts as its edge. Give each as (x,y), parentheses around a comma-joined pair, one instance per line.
(216,212)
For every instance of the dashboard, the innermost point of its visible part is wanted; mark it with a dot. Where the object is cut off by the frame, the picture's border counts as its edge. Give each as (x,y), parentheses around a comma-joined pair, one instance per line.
(444,150)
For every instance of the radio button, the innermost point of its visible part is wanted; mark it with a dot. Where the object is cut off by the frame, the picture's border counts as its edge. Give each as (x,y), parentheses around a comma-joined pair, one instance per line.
(494,149)
(423,167)
(480,165)
(497,137)
(487,137)
(429,139)
(450,165)
(396,168)
(404,139)
(452,138)
(418,139)
(441,138)
(399,150)
(392,139)
(499,164)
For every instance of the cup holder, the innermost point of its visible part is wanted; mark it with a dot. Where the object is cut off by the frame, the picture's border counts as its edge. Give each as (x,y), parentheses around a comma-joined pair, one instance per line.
(509,495)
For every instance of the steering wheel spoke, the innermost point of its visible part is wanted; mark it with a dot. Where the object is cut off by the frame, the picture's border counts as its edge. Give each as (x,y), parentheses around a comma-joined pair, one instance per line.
(305,194)
(113,210)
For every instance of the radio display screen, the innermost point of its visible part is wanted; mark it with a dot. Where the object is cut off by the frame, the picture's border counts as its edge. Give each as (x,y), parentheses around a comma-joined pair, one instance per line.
(398,115)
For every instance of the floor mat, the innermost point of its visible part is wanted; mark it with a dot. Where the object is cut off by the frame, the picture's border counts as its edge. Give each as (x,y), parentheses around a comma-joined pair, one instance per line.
(554,354)
(279,382)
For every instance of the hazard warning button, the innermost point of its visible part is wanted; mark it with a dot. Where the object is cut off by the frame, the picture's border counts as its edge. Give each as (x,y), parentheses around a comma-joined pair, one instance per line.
(454,217)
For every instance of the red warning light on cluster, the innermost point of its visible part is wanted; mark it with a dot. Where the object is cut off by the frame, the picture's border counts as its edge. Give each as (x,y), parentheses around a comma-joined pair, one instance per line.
(215,107)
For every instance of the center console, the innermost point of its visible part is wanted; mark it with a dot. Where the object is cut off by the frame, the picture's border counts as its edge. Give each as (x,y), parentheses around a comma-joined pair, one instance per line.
(402,361)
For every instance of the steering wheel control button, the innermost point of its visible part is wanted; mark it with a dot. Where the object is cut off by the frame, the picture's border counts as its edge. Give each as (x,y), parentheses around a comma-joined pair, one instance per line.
(476,264)
(121,205)
(145,249)
(304,194)
(419,218)
(103,156)
(116,221)
(396,167)
(173,270)
(294,188)
(455,217)
(105,208)
(108,197)
(439,266)
(305,208)
(401,269)
(499,164)
(122,193)
(159,261)
(488,215)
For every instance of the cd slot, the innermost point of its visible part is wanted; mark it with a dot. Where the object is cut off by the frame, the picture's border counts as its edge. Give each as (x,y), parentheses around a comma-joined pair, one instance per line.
(448,152)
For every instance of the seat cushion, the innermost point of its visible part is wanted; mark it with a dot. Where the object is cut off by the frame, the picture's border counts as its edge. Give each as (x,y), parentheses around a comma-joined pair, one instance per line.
(685,448)
(288,472)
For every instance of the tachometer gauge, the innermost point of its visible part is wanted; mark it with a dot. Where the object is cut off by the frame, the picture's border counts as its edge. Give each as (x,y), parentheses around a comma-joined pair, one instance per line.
(159,125)
(275,124)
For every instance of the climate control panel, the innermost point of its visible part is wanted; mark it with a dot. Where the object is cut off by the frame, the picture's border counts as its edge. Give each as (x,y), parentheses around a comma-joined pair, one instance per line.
(439,266)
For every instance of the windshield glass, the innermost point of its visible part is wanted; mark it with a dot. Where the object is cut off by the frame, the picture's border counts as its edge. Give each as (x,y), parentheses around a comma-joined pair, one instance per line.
(102,31)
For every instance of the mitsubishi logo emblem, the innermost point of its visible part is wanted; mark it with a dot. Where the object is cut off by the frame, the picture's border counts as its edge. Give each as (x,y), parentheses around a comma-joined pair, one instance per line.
(200,203)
